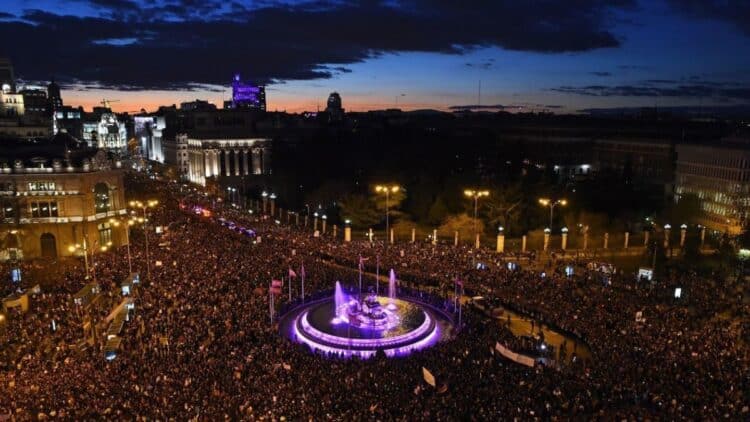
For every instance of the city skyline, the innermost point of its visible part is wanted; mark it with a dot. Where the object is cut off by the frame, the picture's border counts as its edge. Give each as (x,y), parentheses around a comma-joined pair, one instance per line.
(412,55)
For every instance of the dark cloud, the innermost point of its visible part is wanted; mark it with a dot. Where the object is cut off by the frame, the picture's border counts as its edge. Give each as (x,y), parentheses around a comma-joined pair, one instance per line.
(602,74)
(179,43)
(5,15)
(720,91)
(501,107)
(736,12)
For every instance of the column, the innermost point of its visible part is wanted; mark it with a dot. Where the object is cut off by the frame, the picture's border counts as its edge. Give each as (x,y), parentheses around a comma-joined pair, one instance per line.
(645,238)
(207,160)
(667,230)
(413,235)
(245,163)
(683,232)
(627,239)
(703,236)
(564,242)
(434,236)
(347,233)
(500,241)
(237,163)
(523,244)
(257,169)
(335,230)
(266,160)
(369,234)
(606,240)
(585,239)
(476,242)
(455,238)
(392,237)
(546,239)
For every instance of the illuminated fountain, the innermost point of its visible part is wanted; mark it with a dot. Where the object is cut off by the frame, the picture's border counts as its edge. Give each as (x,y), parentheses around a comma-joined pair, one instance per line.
(347,326)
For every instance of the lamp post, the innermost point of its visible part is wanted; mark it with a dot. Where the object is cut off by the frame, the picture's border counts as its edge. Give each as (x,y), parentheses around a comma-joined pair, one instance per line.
(144,206)
(85,249)
(475,195)
(387,190)
(325,218)
(264,195)
(128,223)
(546,202)
(347,230)
(273,203)
(315,222)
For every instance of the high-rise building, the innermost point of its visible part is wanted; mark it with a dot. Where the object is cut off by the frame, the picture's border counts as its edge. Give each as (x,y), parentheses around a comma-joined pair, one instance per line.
(333,108)
(247,95)
(53,94)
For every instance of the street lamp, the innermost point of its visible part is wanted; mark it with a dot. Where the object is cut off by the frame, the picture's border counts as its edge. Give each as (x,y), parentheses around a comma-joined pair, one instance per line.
(144,206)
(387,190)
(85,250)
(475,195)
(546,202)
(128,224)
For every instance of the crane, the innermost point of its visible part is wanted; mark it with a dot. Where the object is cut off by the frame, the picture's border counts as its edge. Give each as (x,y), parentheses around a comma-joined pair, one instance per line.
(105,102)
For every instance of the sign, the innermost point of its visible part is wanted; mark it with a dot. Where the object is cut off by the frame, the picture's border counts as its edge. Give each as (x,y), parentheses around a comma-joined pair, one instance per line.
(678,292)
(645,273)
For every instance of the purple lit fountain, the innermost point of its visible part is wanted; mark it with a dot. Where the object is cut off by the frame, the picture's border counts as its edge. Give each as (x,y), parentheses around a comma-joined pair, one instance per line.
(360,326)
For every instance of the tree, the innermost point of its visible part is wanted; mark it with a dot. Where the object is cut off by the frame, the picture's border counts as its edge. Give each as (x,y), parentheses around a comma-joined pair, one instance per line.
(360,209)
(503,207)
(462,223)
(438,211)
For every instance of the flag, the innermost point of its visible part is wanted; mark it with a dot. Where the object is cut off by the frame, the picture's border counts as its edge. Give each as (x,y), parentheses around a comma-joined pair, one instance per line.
(276,287)
(362,262)
(428,377)
(292,274)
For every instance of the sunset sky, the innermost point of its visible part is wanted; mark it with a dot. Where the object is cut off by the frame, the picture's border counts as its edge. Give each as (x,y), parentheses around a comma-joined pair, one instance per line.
(561,56)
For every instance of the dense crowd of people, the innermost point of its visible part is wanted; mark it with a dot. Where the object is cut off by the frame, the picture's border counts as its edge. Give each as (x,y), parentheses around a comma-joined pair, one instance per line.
(200,342)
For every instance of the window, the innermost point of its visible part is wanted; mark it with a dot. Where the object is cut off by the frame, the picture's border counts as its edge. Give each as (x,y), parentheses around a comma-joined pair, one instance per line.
(44,209)
(8,210)
(41,186)
(101,198)
(105,234)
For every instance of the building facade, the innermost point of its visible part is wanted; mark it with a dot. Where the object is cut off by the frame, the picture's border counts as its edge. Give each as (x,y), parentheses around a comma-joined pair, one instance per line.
(148,134)
(719,175)
(217,158)
(57,197)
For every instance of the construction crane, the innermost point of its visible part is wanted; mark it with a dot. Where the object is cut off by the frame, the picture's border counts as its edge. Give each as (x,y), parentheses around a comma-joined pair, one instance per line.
(105,102)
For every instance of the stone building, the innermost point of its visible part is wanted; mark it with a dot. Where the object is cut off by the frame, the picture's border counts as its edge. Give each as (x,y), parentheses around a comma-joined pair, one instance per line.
(54,194)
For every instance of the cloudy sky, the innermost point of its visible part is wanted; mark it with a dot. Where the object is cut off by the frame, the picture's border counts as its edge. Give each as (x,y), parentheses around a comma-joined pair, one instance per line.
(559,55)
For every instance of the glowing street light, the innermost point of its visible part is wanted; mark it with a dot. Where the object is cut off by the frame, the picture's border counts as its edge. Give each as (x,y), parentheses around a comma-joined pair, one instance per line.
(546,202)
(387,190)
(475,195)
(144,207)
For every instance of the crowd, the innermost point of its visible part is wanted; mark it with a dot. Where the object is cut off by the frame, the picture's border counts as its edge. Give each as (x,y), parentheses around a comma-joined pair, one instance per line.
(200,343)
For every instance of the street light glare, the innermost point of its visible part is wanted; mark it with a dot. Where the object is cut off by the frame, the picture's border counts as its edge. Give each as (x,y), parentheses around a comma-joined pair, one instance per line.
(544,201)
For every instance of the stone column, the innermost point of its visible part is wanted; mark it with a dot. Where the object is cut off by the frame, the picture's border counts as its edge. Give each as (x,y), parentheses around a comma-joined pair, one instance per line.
(392,237)
(546,239)
(434,236)
(347,233)
(645,237)
(257,169)
(237,163)
(606,240)
(227,166)
(245,162)
(523,244)
(564,242)
(413,235)
(683,232)
(455,238)
(667,230)
(217,165)
(476,242)
(207,163)
(335,230)
(369,234)
(500,242)
(627,239)
(703,236)
(585,239)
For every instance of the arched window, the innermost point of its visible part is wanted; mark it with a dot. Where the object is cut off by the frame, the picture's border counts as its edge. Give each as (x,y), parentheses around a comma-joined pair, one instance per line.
(49,245)
(102,201)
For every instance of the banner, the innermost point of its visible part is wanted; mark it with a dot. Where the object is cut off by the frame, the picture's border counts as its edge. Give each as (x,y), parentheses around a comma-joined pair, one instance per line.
(515,357)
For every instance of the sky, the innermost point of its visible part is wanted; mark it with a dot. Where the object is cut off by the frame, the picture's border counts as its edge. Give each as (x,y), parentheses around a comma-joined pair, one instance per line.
(555,55)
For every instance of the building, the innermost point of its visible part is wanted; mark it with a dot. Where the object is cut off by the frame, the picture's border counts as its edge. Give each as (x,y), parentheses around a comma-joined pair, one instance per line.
(7,76)
(56,194)
(333,107)
(201,105)
(719,175)
(247,95)
(102,129)
(69,119)
(53,94)
(222,157)
(176,154)
(641,160)
(148,134)
(35,101)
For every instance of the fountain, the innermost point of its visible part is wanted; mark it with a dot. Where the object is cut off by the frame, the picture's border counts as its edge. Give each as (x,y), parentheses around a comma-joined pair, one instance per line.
(352,326)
